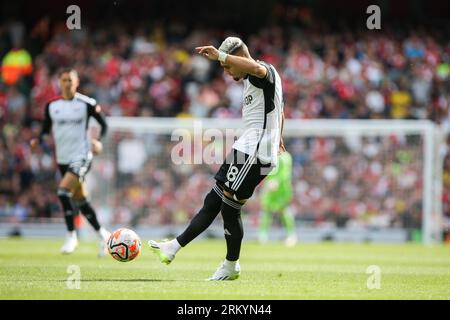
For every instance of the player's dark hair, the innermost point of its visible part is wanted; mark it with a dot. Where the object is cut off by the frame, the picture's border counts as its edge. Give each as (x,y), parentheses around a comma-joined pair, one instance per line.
(67,70)
(235,48)
(241,50)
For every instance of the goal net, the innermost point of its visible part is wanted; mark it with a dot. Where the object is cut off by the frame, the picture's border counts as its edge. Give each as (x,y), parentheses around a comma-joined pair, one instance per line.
(352,179)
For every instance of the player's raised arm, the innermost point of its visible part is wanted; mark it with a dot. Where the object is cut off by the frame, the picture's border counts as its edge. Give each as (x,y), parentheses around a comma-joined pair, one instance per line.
(242,63)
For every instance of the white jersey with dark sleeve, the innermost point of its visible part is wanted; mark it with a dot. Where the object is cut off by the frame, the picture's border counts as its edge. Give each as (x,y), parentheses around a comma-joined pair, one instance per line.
(262,115)
(68,120)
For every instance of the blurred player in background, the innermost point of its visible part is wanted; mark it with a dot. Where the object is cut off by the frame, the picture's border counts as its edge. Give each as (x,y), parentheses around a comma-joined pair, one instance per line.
(68,117)
(276,196)
(252,158)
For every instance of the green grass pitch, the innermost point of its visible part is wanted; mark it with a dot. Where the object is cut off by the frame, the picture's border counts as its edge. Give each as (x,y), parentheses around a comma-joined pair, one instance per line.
(34,269)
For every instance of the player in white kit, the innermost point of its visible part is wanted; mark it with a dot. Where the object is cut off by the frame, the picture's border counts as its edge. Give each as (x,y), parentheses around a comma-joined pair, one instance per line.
(252,158)
(67,116)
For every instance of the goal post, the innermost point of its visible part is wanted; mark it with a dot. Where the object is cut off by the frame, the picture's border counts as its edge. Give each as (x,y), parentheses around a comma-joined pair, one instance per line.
(363,174)
(432,159)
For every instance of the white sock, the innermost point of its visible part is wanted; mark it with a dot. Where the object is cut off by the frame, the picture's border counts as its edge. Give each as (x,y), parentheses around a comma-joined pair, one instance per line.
(230,264)
(72,234)
(102,233)
(173,246)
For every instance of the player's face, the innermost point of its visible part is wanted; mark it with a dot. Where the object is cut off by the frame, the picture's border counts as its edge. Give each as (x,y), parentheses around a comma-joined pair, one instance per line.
(232,72)
(69,82)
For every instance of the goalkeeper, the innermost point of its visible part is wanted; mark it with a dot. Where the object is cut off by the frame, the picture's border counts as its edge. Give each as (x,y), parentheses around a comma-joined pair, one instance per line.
(276,196)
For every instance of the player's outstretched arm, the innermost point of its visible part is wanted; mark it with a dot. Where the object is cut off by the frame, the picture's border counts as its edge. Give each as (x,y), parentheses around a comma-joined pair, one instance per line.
(244,64)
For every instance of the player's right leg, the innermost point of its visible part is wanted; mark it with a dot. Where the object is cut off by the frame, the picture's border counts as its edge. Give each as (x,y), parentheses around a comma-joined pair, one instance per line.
(167,250)
(80,198)
(68,183)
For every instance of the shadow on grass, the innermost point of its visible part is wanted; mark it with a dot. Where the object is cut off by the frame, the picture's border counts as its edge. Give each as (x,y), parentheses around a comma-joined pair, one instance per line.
(125,280)
(99,280)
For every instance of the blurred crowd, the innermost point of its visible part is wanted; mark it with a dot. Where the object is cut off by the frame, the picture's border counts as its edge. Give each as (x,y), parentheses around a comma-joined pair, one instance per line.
(152,71)
(355,181)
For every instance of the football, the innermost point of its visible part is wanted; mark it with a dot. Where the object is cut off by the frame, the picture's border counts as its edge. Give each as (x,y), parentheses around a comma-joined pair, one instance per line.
(124,245)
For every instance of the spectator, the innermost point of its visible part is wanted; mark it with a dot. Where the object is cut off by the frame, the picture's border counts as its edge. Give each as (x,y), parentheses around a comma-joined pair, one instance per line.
(151,72)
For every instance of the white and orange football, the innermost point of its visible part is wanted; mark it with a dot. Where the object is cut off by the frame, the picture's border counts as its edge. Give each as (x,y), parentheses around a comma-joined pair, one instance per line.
(124,245)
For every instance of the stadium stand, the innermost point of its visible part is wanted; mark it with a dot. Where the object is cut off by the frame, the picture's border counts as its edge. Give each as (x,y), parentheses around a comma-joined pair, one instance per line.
(150,70)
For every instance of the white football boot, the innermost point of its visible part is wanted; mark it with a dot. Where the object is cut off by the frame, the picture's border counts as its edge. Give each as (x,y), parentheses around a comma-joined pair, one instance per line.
(104,237)
(166,250)
(291,241)
(228,270)
(70,244)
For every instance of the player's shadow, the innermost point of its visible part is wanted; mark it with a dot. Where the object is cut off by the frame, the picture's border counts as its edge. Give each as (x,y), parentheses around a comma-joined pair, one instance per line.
(105,280)
(125,280)
(141,280)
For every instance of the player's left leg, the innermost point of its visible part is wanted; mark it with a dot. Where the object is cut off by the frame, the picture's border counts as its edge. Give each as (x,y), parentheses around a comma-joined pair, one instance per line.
(234,233)
(80,198)
(288,220)
(264,225)
(80,168)
(238,184)
(212,205)
(166,251)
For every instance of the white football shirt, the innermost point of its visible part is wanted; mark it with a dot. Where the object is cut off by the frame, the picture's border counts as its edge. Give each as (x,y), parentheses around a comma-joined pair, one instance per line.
(69,120)
(262,116)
